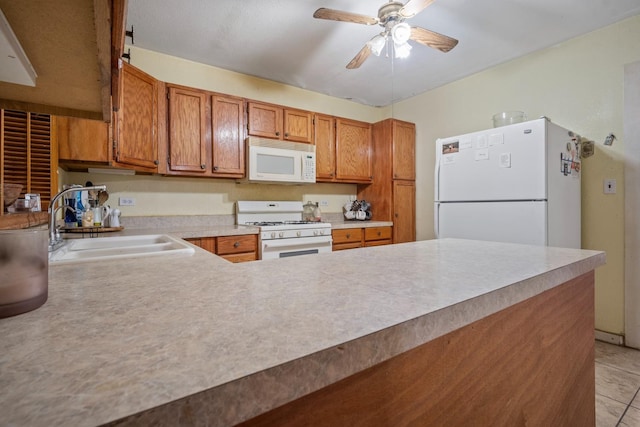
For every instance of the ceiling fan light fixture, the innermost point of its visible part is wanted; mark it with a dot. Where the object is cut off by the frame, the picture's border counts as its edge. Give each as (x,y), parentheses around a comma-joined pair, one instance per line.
(401,33)
(402,50)
(377,43)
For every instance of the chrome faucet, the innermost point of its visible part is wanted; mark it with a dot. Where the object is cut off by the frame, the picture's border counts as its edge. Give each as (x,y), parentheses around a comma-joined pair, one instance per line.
(54,235)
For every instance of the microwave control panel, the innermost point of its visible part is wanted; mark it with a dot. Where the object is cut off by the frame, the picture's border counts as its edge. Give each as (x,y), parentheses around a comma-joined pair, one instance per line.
(309,168)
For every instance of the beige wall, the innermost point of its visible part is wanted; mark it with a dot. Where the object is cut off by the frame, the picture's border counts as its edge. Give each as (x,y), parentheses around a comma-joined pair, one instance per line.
(578,85)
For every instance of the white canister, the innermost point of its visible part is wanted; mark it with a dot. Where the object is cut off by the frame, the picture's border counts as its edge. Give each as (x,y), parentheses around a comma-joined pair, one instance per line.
(114,218)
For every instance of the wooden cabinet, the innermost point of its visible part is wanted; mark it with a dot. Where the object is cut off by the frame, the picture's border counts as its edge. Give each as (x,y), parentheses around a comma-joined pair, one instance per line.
(239,248)
(404,216)
(187,121)
(351,238)
(227,124)
(403,139)
(347,238)
(136,137)
(392,193)
(205,133)
(343,150)
(82,141)
(353,151)
(377,236)
(325,140)
(273,121)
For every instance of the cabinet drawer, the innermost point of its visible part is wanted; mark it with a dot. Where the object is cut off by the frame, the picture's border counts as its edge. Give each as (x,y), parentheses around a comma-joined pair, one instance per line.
(343,246)
(377,242)
(237,244)
(249,256)
(377,233)
(347,235)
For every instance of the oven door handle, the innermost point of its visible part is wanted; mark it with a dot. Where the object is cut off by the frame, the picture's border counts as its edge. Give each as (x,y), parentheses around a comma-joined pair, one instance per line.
(298,241)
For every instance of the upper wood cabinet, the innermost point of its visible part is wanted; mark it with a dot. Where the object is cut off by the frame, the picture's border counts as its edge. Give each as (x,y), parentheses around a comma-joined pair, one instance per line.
(343,150)
(403,139)
(325,140)
(187,127)
(82,141)
(227,124)
(205,133)
(353,151)
(136,138)
(273,121)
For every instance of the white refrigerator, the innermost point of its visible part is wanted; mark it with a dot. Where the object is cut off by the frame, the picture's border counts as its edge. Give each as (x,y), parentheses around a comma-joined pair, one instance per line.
(518,183)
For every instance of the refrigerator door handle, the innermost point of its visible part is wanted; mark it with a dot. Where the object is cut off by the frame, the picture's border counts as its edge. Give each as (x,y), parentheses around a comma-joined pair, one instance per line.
(436,177)
(436,219)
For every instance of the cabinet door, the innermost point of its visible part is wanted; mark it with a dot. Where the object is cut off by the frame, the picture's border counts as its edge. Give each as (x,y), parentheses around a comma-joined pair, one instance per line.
(82,140)
(353,151)
(187,130)
(404,146)
(264,120)
(298,126)
(227,118)
(324,129)
(137,140)
(404,203)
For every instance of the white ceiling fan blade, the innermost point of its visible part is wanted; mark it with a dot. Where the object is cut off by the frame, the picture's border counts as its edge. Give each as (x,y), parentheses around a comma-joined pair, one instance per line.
(413,7)
(432,39)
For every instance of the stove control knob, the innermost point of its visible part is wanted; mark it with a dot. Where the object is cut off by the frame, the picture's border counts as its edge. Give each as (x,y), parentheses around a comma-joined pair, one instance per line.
(315,232)
(273,234)
(281,234)
(298,233)
(322,232)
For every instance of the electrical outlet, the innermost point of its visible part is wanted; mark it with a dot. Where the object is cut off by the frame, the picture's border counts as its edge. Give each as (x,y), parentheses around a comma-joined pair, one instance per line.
(324,203)
(609,186)
(126,201)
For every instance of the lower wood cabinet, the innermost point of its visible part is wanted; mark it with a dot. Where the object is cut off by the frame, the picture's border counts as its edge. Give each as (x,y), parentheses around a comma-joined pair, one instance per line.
(240,248)
(351,238)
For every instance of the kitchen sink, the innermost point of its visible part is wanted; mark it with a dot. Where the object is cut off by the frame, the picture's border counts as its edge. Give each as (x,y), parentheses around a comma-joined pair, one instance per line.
(106,248)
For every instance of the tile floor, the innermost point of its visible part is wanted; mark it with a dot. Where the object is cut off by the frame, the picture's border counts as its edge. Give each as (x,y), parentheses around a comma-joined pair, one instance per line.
(617,386)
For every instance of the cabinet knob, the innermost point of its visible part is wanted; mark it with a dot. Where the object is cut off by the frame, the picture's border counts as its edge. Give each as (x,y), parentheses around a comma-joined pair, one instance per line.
(236,244)
(379,233)
(277,133)
(202,166)
(215,168)
(396,215)
(155,162)
(348,235)
(286,134)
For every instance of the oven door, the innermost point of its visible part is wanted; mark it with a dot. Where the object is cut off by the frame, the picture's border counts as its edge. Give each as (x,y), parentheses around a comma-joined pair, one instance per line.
(283,248)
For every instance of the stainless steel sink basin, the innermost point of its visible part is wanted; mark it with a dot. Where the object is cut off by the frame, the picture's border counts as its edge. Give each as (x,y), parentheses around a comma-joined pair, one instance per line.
(105,248)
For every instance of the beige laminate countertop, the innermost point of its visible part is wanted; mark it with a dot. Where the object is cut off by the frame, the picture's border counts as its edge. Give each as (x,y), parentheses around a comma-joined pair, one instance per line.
(162,337)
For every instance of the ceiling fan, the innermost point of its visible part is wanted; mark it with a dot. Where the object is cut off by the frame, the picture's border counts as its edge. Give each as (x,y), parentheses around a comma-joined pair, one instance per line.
(391,17)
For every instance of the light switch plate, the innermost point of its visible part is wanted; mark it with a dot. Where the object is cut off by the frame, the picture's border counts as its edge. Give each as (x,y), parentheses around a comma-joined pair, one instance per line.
(127,201)
(609,186)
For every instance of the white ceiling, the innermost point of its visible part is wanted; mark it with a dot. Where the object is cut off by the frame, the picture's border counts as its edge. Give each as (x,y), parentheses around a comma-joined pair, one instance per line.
(280,40)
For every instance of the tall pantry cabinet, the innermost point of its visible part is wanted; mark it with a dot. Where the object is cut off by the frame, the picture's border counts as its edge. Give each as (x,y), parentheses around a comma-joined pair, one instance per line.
(393,192)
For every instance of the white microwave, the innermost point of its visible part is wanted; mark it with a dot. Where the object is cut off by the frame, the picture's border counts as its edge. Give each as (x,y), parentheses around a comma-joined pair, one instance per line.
(271,160)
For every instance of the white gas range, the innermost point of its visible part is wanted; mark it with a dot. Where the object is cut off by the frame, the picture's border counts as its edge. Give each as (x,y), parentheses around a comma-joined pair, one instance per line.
(282,231)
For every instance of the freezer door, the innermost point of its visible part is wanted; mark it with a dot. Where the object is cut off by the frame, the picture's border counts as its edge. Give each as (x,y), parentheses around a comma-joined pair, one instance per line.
(505,163)
(510,222)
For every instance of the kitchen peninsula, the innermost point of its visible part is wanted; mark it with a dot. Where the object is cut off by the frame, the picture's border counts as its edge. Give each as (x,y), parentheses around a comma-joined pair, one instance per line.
(440,328)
